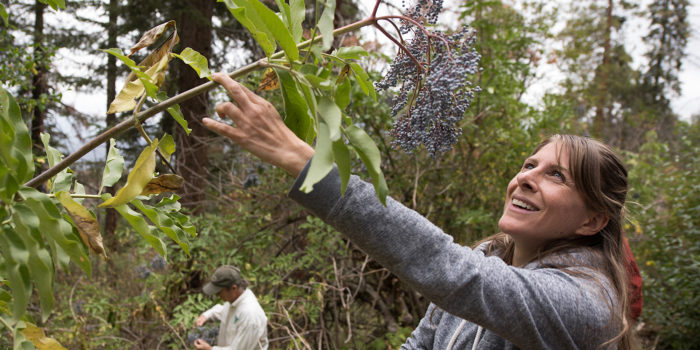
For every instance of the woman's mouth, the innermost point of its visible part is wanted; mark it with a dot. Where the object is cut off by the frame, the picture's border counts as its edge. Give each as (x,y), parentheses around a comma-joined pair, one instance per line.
(520,204)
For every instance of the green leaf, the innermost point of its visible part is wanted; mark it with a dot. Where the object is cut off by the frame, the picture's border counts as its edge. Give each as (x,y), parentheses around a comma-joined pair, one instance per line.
(15,270)
(141,226)
(167,146)
(351,52)
(3,14)
(175,112)
(322,161)
(165,224)
(55,4)
(325,24)
(138,178)
(57,231)
(63,181)
(342,94)
(278,30)
(15,142)
(369,153)
(363,79)
(293,14)
(244,12)
(114,166)
(195,60)
(296,110)
(331,114)
(40,266)
(342,159)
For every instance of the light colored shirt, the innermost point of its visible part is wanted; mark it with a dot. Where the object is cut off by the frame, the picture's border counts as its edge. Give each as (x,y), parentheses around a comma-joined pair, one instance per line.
(243,324)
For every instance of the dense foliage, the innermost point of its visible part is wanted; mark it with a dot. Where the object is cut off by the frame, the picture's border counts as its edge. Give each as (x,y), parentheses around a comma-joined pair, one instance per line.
(317,289)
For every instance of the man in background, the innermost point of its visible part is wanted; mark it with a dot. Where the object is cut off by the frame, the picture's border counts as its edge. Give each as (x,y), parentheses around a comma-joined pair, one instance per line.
(243,321)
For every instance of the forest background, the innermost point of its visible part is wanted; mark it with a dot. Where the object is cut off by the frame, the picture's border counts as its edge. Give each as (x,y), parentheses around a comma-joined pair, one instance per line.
(317,289)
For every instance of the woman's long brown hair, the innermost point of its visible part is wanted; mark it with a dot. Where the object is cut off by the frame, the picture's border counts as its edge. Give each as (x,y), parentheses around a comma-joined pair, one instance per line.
(601,179)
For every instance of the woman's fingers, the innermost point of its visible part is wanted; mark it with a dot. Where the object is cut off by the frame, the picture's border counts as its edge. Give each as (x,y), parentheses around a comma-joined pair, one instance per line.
(235,90)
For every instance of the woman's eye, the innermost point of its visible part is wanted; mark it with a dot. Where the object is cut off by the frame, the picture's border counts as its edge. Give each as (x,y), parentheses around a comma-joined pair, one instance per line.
(558,174)
(528,166)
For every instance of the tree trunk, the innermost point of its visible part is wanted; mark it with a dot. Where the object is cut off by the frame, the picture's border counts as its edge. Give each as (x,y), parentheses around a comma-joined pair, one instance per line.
(191,153)
(110,225)
(601,118)
(40,78)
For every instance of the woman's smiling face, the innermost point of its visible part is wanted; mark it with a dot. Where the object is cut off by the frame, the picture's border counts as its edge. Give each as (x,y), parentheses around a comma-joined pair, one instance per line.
(542,203)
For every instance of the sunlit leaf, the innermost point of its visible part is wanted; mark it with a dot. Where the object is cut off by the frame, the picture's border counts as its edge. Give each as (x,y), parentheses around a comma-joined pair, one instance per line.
(195,60)
(322,161)
(166,145)
(325,24)
(37,336)
(175,112)
(142,227)
(85,221)
(113,166)
(139,176)
(151,36)
(296,110)
(369,153)
(293,15)
(331,114)
(269,81)
(163,183)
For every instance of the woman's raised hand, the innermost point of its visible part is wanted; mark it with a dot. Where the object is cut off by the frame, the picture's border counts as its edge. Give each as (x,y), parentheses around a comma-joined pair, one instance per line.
(258,127)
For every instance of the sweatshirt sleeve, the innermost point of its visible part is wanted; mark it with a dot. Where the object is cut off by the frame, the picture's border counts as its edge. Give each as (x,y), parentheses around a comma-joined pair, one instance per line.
(534,309)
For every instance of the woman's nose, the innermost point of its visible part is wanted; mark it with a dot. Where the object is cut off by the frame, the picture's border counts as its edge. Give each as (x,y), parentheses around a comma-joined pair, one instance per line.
(527,180)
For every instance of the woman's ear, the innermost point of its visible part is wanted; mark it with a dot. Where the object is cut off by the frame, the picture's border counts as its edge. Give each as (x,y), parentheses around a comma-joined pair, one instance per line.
(593,225)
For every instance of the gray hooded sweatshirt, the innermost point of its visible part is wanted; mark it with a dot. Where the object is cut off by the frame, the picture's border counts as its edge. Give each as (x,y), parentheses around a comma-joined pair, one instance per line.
(534,307)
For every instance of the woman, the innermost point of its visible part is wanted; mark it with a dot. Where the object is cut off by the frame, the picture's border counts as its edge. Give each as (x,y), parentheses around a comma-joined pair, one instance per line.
(553,279)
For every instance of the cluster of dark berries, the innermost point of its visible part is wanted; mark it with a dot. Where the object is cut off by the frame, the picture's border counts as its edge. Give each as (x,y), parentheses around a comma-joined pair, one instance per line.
(208,334)
(436,90)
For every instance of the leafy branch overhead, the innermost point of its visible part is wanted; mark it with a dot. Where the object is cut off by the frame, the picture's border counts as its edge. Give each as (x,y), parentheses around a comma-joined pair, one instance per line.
(42,230)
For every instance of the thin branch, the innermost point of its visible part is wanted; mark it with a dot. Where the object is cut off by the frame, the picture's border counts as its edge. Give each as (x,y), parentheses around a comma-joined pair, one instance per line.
(142,116)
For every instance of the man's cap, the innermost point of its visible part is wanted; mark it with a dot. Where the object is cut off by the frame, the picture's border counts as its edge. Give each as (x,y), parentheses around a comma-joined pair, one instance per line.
(223,277)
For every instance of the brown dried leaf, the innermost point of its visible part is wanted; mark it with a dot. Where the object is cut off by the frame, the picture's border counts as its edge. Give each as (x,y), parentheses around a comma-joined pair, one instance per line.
(163,183)
(150,37)
(85,221)
(269,81)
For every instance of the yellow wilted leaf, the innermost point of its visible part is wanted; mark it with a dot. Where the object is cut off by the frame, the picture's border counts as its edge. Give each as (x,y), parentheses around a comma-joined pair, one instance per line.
(163,183)
(150,37)
(125,101)
(138,178)
(39,339)
(269,81)
(155,65)
(85,221)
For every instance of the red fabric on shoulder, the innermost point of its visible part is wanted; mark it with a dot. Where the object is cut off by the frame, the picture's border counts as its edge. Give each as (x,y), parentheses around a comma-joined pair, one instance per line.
(635,282)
